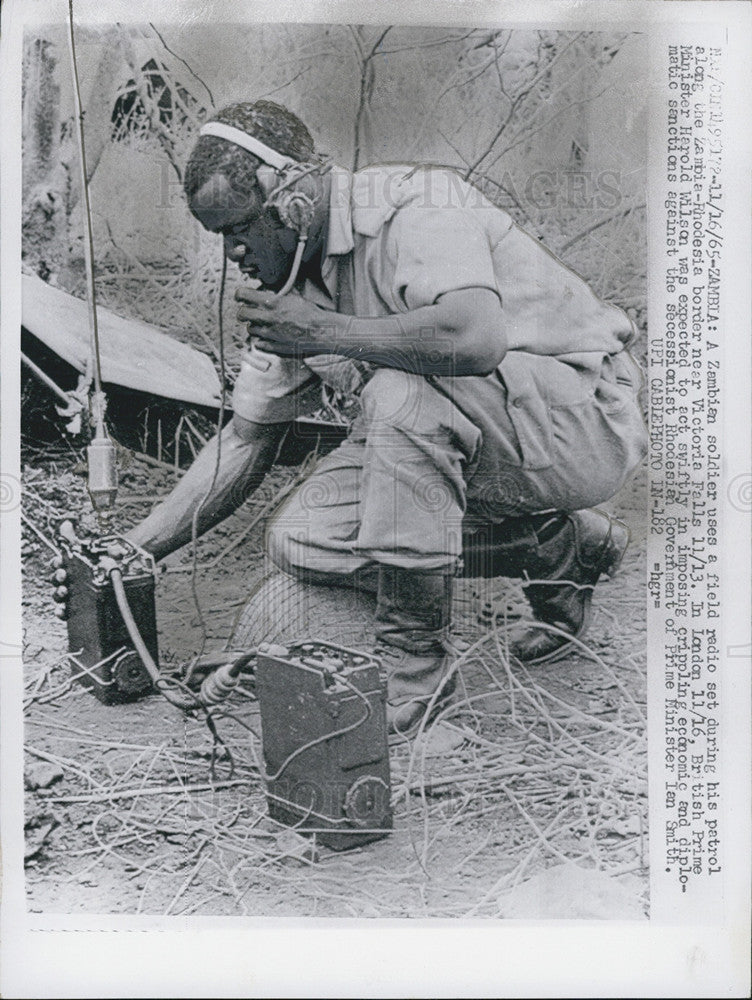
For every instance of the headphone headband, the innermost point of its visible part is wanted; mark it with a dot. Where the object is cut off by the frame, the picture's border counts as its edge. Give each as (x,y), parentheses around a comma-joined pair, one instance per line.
(231,134)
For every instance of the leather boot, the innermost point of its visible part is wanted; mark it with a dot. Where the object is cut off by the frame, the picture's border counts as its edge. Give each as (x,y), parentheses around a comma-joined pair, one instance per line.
(570,550)
(506,547)
(412,615)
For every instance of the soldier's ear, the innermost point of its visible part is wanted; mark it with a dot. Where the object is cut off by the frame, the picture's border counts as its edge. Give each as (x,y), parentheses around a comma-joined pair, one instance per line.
(267,179)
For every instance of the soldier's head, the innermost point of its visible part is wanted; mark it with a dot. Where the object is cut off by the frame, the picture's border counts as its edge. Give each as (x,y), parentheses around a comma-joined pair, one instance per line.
(243,180)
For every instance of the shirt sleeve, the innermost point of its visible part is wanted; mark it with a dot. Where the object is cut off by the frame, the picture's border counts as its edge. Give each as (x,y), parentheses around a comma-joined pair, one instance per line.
(440,242)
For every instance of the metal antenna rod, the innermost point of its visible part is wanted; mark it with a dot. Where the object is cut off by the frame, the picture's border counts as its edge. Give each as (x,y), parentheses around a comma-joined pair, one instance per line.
(100,454)
(95,364)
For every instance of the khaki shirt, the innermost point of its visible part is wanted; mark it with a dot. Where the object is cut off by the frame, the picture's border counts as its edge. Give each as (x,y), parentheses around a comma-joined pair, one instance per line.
(418,232)
(401,236)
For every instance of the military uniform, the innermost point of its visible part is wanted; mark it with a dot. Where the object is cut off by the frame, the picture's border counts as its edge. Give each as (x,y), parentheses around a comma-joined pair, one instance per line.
(555,427)
(438,468)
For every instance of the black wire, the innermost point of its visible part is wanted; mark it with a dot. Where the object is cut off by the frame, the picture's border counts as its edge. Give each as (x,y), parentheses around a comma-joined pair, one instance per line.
(162,683)
(218,741)
(220,422)
(226,714)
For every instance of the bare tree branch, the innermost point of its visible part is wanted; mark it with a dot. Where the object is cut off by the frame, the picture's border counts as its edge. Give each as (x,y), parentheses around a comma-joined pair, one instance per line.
(426,45)
(462,81)
(520,98)
(353,29)
(183,61)
(601,222)
(510,193)
(366,88)
(498,53)
(526,133)
(166,140)
(378,41)
(275,90)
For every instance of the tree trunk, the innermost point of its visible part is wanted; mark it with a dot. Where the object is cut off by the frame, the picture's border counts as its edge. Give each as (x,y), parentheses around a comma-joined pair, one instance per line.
(51,170)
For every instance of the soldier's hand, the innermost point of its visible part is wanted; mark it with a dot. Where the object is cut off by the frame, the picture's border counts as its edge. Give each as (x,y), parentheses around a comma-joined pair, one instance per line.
(287,325)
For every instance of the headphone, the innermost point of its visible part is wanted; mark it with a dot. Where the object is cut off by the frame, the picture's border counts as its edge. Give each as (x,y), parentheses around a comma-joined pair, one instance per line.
(293,203)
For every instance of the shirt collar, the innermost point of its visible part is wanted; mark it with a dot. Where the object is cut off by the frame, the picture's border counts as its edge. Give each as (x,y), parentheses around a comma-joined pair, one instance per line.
(363,202)
(339,238)
(359,203)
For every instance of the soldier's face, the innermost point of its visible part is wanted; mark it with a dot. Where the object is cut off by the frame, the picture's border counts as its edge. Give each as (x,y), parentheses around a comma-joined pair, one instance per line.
(254,239)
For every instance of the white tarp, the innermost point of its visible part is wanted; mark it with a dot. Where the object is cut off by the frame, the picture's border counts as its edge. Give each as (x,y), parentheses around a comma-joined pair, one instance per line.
(133,354)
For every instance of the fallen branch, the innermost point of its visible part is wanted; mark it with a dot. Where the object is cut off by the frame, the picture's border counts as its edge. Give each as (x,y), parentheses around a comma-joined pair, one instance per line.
(142,457)
(601,222)
(130,793)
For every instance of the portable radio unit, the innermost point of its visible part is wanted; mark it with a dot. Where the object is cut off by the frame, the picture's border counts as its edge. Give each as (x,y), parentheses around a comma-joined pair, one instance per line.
(324,737)
(105,660)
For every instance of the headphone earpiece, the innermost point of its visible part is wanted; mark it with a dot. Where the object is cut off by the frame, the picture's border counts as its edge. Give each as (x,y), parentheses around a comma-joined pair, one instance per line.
(295,210)
(294,197)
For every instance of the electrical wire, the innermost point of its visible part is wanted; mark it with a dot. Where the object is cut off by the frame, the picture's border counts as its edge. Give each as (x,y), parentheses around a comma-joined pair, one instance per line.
(186,704)
(186,700)
(295,264)
(292,277)
(327,736)
(217,741)
(189,702)
(220,421)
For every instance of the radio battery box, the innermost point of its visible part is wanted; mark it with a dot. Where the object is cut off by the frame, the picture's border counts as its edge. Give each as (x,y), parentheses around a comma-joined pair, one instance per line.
(324,737)
(97,634)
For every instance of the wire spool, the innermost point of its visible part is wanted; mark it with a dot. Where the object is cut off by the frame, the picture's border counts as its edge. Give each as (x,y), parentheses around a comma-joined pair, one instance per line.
(284,610)
(129,675)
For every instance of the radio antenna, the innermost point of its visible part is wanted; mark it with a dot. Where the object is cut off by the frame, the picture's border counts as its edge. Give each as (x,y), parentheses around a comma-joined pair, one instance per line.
(101,458)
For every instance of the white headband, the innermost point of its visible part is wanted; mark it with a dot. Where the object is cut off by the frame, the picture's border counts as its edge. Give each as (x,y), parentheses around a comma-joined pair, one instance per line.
(253,145)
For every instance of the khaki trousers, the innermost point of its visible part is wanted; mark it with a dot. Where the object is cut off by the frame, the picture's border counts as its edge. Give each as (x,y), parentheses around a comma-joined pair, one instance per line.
(429,459)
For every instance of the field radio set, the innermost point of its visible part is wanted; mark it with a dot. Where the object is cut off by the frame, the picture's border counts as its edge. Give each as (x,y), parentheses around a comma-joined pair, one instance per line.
(324,737)
(105,660)
(322,706)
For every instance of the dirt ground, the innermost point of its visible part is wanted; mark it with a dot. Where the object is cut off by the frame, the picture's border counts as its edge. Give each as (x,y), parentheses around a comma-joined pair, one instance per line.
(530,800)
